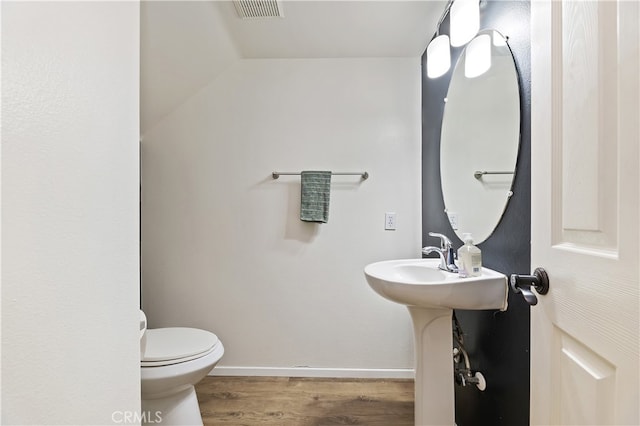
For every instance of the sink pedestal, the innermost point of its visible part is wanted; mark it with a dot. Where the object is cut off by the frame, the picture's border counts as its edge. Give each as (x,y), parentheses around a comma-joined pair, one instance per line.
(434,393)
(431,296)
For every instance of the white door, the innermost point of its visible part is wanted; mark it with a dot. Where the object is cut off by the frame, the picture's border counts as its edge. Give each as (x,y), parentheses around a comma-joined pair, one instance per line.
(585,215)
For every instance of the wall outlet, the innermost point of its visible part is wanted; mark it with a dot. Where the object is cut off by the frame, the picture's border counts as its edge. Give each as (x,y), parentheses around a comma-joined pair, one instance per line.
(390,221)
(453,220)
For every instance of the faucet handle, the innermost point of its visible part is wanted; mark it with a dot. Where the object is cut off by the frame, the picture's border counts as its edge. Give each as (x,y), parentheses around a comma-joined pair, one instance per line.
(445,242)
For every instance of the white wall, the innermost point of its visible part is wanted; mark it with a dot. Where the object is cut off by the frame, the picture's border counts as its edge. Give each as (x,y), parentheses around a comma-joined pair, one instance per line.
(70,344)
(184,46)
(223,247)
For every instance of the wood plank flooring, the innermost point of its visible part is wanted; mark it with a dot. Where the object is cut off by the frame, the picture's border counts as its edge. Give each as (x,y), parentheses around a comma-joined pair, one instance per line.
(288,401)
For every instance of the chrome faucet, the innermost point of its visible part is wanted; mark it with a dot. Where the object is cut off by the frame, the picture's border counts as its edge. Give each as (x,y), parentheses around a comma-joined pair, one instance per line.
(446,253)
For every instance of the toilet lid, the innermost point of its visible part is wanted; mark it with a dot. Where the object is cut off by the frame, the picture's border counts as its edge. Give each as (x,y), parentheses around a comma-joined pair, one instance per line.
(165,344)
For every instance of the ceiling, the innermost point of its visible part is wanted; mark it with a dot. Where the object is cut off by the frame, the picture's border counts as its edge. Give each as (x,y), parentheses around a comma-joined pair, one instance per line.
(186,44)
(329,29)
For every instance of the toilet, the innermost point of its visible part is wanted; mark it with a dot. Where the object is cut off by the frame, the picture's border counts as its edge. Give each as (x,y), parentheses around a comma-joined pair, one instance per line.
(172,361)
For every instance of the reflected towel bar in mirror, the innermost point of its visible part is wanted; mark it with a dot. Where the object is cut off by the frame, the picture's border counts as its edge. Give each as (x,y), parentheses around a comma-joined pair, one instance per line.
(478,174)
(363,175)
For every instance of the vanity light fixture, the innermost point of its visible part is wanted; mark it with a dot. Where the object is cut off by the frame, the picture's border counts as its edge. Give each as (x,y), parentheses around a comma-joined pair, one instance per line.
(465,21)
(464,18)
(438,56)
(438,51)
(478,56)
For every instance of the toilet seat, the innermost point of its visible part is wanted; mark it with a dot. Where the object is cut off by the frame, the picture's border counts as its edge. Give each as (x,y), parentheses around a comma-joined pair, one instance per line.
(166,346)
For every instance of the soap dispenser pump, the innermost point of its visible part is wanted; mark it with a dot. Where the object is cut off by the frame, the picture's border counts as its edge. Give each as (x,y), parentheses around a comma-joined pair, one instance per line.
(469,258)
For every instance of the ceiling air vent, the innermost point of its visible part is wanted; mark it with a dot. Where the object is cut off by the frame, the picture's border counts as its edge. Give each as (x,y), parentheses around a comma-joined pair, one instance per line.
(259,8)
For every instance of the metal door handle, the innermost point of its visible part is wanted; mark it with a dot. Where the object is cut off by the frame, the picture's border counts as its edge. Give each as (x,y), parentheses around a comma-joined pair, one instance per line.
(523,283)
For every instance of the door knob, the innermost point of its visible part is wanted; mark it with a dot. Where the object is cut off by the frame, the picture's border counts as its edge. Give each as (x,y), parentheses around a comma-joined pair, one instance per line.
(523,283)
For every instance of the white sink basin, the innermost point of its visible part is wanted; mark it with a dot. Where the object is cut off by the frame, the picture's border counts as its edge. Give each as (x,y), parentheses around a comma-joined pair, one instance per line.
(431,294)
(419,282)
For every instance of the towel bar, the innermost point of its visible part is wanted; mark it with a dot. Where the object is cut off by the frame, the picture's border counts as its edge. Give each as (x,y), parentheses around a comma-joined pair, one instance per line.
(478,173)
(363,175)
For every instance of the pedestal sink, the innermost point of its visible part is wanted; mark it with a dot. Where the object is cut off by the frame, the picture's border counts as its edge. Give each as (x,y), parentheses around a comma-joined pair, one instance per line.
(431,294)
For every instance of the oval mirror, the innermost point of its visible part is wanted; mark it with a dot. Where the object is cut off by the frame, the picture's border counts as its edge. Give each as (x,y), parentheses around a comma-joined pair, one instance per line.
(480,136)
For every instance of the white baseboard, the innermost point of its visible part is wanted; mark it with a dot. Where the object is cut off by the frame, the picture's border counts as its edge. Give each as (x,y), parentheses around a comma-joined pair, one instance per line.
(355,373)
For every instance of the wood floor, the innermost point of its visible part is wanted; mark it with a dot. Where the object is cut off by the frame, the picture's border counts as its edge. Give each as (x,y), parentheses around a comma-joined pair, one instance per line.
(285,401)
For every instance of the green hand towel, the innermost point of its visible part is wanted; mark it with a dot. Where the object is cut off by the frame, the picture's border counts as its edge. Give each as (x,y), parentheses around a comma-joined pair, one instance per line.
(314,196)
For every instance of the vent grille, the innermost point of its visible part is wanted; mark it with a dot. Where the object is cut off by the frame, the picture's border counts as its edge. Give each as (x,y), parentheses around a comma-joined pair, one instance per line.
(247,9)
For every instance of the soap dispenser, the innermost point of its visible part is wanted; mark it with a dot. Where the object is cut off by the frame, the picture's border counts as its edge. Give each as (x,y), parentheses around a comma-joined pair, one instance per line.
(469,258)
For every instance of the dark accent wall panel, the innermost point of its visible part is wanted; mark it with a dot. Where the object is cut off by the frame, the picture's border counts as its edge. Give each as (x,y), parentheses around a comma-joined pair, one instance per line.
(497,342)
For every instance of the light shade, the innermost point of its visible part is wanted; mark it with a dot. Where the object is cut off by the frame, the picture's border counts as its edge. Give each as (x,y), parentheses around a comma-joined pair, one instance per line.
(477,59)
(465,21)
(438,56)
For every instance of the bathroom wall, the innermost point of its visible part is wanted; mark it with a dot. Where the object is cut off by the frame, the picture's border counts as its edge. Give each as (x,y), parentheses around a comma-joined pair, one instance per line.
(223,247)
(70,342)
(185,44)
(498,342)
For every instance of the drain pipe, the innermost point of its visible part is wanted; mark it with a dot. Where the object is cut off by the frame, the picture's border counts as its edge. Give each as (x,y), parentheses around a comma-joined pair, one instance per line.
(464,376)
